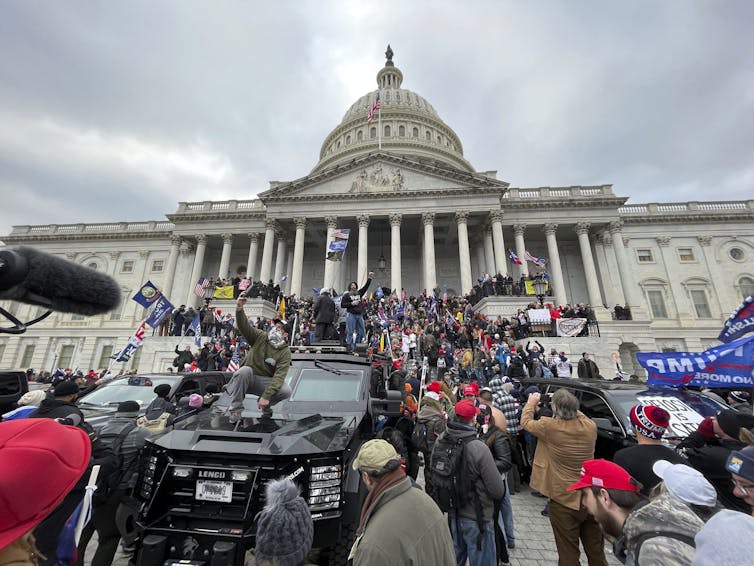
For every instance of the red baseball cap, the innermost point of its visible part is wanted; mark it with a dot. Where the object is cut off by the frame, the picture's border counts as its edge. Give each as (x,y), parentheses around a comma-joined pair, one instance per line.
(40,462)
(466,410)
(469,390)
(602,473)
(435,387)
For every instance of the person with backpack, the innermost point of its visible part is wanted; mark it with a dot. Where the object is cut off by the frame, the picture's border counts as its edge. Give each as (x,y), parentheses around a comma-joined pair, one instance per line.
(160,412)
(126,440)
(466,484)
(431,422)
(399,523)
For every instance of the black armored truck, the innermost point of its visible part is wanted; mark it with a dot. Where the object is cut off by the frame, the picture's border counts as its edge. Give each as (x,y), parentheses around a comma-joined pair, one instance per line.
(201,484)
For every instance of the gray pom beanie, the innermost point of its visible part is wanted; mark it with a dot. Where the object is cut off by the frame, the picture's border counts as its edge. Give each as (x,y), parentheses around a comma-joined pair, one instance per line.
(285,530)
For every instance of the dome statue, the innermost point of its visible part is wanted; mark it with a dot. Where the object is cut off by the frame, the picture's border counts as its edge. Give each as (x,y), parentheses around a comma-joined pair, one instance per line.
(406,125)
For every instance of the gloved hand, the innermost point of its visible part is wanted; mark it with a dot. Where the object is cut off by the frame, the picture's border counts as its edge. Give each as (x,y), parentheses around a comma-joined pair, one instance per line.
(706,428)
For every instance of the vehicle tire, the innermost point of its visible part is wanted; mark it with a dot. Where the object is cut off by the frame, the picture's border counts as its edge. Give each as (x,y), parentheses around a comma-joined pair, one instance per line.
(337,554)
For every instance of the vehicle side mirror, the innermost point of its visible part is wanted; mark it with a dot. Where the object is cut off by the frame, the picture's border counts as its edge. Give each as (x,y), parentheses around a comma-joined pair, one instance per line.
(605,424)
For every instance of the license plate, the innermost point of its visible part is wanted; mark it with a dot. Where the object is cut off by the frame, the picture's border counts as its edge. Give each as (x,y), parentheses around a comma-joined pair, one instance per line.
(219,491)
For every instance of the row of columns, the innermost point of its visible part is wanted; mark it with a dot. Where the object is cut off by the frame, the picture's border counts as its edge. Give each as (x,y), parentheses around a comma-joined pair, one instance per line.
(492,255)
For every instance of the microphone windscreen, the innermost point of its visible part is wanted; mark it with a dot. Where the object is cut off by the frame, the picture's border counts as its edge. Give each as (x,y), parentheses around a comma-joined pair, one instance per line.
(68,286)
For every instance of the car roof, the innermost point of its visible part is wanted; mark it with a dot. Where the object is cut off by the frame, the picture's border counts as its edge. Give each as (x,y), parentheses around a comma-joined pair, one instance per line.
(591,384)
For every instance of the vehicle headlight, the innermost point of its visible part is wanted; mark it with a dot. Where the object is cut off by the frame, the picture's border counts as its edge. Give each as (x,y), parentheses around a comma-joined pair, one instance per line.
(182,472)
(324,487)
(150,469)
(241,475)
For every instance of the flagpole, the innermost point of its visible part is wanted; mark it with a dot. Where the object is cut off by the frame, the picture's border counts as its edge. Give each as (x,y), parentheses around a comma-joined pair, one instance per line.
(379,124)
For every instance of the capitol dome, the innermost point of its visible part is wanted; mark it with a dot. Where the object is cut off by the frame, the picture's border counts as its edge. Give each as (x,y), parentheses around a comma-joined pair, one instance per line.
(410,126)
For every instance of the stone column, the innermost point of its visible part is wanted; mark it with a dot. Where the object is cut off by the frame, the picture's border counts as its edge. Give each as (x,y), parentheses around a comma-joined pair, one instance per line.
(329,280)
(489,253)
(680,299)
(630,293)
(430,269)
(196,272)
(265,273)
(592,284)
(462,219)
(184,250)
(481,264)
(280,258)
(288,268)
(612,294)
(705,241)
(518,232)
(225,257)
(395,253)
(362,267)
(298,255)
(251,262)
(167,286)
(496,220)
(556,271)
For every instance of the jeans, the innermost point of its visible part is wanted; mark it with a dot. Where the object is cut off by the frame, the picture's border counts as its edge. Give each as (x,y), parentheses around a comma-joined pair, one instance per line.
(244,381)
(464,532)
(505,519)
(355,323)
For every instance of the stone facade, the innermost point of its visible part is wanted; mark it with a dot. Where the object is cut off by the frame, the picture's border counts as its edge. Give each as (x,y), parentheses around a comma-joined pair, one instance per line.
(420,216)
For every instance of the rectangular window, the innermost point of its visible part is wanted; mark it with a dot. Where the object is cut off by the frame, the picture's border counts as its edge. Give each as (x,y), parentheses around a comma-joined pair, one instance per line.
(104,357)
(66,356)
(686,254)
(644,256)
(2,351)
(157,266)
(701,306)
(117,314)
(27,356)
(127,267)
(135,359)
(657,303)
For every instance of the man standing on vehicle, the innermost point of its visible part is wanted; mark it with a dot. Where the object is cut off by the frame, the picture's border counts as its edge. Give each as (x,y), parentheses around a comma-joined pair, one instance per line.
(399,523)
(565,441)
(352,302)
(263,371)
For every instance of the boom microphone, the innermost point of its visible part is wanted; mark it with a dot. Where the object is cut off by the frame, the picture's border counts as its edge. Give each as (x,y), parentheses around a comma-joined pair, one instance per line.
(41,279)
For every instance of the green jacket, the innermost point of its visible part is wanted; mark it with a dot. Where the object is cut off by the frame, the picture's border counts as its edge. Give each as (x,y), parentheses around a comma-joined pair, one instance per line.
(405,527)
(261,350)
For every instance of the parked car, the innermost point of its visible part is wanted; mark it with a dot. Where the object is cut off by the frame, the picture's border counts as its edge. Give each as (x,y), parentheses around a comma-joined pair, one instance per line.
(101,403)
(201,485)
(608,403)
(13,385)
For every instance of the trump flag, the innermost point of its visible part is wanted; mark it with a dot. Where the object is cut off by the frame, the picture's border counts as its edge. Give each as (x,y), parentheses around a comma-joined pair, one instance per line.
(740,322)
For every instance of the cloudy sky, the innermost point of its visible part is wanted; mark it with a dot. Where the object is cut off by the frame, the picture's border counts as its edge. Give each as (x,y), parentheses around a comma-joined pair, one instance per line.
(117,111)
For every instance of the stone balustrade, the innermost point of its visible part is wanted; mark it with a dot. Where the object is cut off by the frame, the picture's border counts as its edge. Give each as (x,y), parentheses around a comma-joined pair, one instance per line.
(98,228)
(681,208)
(575,192)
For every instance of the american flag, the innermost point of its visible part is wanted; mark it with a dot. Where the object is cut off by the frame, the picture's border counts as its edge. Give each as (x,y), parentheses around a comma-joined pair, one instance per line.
(233,365)
(538,261)
(514,258)
(201,285)
(375,107)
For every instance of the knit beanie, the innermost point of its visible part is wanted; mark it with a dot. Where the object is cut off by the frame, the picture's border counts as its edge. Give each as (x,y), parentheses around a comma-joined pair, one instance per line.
(650,421)
(285,530)
(731,422)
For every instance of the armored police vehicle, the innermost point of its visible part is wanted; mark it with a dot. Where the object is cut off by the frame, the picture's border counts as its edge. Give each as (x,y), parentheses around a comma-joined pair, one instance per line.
(201,485)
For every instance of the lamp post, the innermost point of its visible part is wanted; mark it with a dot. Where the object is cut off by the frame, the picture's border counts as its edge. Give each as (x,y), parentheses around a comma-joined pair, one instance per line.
(540,288)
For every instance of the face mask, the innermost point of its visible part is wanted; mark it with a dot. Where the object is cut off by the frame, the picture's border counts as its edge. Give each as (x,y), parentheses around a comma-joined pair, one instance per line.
(275,338)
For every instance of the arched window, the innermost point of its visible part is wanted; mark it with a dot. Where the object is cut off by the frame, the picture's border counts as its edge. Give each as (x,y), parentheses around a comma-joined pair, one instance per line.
(402,131)
(348,139)
(387,131)
(415,133)
(439,140)
(338,146)
(746,286)
(428,135)
(92,265)
(372,133)
(359,135)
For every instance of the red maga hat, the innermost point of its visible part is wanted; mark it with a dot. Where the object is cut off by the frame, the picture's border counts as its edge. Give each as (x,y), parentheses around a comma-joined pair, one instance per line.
(40,462)
(435,387)
(466,410)
(605,474)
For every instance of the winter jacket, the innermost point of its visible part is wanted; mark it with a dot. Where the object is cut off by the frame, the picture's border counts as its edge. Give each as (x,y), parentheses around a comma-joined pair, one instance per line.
(352,302)
(405,527)
(500,448)
(260,351)
(479,471)
(130,448)
(158,406)
(184,357)
(562,447)
(56,409)
(587,369)
(324,310)
(430,415)
(662,514)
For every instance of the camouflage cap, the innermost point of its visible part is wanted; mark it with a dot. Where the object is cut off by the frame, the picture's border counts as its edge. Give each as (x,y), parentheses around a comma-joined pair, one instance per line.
(374,456)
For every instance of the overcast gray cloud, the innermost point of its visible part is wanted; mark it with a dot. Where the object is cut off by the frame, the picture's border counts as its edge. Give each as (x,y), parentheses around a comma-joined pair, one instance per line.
(117,111)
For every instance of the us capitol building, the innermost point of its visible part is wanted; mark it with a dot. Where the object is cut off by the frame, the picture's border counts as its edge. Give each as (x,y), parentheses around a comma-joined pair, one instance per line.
(420,217)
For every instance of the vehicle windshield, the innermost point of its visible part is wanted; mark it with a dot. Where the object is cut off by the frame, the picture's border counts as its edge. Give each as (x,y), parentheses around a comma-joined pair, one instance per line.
(323,386)
(126,389)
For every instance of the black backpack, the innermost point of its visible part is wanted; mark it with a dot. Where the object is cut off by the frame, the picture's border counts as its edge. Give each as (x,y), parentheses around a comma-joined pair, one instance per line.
(448,487)
(112,442)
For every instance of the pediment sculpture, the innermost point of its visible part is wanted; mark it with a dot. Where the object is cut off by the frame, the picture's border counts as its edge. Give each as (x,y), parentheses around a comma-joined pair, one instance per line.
(375,179)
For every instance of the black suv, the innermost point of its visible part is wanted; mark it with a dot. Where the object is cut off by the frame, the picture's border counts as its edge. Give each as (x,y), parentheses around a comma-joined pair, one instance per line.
(201,485)
(608,403)
(13,385)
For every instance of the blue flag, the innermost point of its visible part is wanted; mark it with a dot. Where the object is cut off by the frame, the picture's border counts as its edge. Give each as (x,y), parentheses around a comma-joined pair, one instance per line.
(196,327)
(378,292)
(147,295)
(729,365)
(315,291)
(162,308)
(740,322)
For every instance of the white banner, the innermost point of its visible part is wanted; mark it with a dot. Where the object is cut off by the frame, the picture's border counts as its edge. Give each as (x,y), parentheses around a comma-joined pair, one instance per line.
(570,326)
(539,316)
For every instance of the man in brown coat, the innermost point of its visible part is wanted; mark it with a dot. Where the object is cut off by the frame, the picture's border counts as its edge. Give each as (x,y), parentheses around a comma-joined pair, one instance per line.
(565,441)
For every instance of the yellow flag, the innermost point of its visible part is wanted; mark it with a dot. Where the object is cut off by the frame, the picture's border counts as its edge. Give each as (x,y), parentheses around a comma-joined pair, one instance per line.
(382,342)
(281,308)
(225,292)
(530,287)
